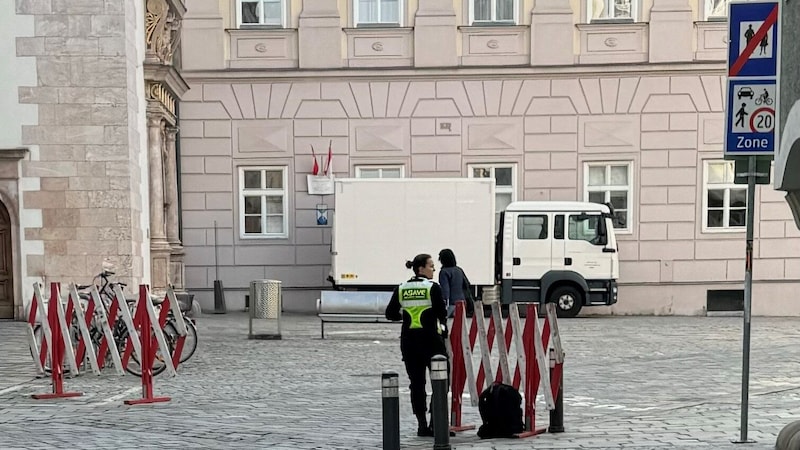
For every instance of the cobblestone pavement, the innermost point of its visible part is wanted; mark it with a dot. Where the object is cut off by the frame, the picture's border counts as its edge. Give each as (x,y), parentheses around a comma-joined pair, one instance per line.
(631,382)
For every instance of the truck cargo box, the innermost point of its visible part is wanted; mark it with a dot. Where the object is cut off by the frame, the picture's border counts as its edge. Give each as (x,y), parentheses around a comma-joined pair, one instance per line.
(380,223)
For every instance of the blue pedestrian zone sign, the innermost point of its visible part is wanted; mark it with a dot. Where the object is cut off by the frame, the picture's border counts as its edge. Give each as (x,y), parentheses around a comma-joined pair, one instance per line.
(752,78)
(753,39)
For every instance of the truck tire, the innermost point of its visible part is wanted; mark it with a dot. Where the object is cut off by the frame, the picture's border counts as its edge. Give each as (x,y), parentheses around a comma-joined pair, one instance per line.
(568,300)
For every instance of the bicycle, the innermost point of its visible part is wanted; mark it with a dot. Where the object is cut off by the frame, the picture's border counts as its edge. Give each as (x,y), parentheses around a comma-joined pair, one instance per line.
(120,330)
(764,98)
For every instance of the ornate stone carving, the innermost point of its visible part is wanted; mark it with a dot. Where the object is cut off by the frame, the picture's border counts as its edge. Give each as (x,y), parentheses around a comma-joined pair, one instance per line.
(377,46)
(261,47)
(493,44)
(155,91)
(611,42)
(162,30)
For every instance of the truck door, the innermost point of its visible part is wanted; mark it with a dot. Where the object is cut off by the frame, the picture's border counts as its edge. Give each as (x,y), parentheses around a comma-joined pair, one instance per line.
(532,246)
(583,250)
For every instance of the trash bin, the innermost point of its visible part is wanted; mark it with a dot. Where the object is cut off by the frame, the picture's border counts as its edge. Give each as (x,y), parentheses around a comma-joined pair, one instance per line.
(265,304)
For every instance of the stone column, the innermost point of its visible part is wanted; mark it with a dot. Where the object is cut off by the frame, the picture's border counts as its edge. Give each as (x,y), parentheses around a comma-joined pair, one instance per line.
(671,31)
(435,34)
(158,237)
(320,35)
(159,247)
(171,188)
(176,261)
(552,34)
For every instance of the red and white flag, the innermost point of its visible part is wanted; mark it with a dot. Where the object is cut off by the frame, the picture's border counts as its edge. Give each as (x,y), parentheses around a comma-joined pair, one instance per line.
(330,155)
(315,169)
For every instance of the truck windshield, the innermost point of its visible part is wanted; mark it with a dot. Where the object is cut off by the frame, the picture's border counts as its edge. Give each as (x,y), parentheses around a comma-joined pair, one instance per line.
(585,228)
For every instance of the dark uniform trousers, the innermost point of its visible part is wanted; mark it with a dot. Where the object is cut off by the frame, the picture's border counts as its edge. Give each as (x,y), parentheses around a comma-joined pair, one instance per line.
(417,353)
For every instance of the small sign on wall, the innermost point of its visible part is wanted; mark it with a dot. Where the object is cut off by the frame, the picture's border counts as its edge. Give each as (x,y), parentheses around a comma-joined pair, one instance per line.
(322,214)
(320,185)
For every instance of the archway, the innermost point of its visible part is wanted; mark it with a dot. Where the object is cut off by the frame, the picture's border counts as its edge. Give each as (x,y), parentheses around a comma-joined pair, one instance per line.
(6,266)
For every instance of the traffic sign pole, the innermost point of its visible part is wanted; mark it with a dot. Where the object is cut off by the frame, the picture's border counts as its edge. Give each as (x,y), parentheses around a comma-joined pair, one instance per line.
(748,295)
(750,128)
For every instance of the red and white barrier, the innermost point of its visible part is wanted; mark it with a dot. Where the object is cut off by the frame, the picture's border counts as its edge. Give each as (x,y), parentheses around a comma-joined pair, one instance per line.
(95,309)
(56,342)
(530,368)
(151,339)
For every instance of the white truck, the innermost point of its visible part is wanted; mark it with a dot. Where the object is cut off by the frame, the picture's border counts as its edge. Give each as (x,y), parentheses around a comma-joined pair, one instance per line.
(561,252)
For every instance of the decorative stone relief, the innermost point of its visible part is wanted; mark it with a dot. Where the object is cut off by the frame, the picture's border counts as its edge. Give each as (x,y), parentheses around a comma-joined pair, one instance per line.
(162,30)
(257,136)
(491,137)
(379,137)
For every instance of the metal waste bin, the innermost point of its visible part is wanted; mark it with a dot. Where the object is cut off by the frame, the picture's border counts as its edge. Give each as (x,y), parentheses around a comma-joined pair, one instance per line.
(265,304)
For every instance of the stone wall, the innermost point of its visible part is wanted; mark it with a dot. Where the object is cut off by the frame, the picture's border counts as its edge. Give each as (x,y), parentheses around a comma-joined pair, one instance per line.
(86,150)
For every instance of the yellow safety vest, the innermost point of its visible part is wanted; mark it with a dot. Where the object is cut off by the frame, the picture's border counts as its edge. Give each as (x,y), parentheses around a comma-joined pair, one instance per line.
(415,298)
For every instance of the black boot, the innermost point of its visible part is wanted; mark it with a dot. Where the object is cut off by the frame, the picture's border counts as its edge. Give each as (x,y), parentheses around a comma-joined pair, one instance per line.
(423,430)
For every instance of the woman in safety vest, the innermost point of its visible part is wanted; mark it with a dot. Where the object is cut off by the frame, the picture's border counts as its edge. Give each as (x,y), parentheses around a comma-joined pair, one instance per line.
(418,303)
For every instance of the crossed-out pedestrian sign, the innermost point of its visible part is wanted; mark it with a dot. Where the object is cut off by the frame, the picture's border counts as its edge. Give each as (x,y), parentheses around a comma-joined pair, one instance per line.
(752,91)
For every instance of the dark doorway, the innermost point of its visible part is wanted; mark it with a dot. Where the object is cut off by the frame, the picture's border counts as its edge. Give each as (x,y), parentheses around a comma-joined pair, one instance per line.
(6,266)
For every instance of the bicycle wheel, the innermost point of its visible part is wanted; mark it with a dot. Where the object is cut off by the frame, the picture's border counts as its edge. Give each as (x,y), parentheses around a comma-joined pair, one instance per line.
(38,335)
(134,367)
(189,345)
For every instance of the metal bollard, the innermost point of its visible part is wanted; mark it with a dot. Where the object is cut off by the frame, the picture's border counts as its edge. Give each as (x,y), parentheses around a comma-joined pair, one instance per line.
(557,414)
(391,410)
(441,426)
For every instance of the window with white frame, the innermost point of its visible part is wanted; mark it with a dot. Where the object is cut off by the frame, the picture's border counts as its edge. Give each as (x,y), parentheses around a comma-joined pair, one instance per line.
(724,203)
(716,9)
(505,184)
(260,12)
(379,171)
(610,183)
(263,202)
(377,12)
(493,11)
(612,9)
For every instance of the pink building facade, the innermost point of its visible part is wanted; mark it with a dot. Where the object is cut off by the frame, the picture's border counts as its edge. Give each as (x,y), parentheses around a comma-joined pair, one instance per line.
(598,100)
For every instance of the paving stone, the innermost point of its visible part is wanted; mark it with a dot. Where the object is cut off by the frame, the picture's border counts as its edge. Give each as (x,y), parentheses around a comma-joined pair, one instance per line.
(630,382)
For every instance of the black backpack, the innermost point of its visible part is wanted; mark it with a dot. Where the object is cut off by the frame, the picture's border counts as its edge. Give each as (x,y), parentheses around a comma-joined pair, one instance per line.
(501,411)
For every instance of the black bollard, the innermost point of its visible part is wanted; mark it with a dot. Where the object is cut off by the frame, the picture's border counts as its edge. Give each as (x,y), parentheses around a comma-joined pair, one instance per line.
(441,426)
(391,410)
(557,414)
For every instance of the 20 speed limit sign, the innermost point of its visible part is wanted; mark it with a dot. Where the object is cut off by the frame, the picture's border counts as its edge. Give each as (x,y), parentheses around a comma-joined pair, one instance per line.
(762,120)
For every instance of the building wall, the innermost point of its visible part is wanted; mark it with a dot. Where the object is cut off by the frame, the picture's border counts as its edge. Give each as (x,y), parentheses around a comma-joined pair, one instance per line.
(550,95)
(13,115)
(81,201)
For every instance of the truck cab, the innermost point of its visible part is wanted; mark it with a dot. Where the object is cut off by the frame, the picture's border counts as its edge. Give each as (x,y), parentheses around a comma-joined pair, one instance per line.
(559,252)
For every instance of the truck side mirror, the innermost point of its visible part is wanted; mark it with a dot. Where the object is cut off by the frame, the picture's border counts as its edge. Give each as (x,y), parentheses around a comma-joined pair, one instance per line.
(602,231)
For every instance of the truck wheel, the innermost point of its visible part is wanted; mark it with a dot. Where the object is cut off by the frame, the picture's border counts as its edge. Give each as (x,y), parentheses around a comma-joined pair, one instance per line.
(568,300)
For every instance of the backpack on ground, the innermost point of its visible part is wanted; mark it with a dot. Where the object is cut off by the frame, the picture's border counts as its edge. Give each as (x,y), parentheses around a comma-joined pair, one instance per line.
(500,407)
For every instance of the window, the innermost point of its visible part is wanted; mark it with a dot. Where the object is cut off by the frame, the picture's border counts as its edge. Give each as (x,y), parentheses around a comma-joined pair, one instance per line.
(379,172)
(583,228)
(262,202)
(558,227)
(505,176)
(532,227)
(260,12)
(613,9)
(716,9)
(724,203)
(377,12)
(611,183)
(493,11)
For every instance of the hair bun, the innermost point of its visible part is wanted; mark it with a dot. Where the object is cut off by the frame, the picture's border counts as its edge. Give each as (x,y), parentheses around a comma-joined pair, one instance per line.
(409,264)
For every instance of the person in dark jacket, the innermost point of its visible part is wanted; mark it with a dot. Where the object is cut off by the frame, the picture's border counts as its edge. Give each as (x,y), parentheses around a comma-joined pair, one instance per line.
(454,282)
(418,303)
